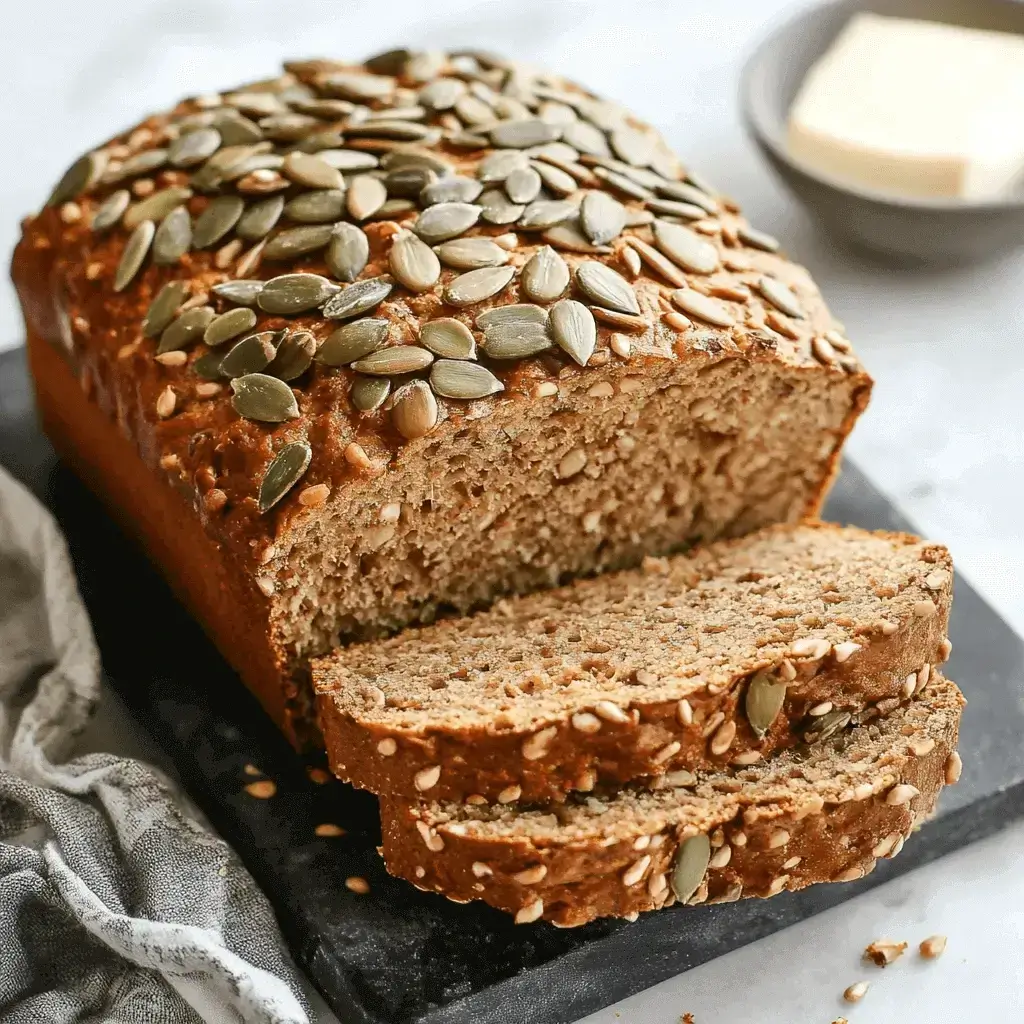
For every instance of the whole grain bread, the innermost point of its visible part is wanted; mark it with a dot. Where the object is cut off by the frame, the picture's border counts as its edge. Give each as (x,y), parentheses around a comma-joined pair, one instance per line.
(720,657)
(823,813)
(675,378)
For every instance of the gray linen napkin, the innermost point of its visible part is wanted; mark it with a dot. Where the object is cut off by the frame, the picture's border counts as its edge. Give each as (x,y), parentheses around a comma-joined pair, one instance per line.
(115,905)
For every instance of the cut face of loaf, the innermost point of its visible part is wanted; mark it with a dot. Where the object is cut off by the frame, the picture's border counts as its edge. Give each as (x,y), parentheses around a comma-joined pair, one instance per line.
(719,658)
(395,339)
(824,814)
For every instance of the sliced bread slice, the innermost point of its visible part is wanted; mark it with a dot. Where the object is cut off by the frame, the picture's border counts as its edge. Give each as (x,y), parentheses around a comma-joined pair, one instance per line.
(721,657)
(825,813)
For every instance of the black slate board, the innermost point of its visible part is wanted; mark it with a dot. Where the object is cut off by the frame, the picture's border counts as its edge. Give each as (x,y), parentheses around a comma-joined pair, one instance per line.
(397,955)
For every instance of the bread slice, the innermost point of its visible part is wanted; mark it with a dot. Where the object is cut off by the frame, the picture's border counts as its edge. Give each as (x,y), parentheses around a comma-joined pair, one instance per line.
(717,658)
(825,813)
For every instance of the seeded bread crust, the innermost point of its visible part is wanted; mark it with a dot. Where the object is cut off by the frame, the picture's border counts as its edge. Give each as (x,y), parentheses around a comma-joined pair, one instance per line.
(650,446)
(824,814)
(641,672)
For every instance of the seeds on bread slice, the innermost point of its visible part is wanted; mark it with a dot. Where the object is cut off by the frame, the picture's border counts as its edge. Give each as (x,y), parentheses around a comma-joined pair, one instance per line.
(824,814)
(721,657)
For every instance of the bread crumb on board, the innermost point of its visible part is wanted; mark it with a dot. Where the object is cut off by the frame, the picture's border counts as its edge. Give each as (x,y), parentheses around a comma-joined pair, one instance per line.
(933,947)
(262,790)
(855,992)
(687,1018)
(883,952)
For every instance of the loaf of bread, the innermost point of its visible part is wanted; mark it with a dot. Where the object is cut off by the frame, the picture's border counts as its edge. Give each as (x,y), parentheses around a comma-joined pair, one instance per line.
(357,345)
(717,658)
(823,813)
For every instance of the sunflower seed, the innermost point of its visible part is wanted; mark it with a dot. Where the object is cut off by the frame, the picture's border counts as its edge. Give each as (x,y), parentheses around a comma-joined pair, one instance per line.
(369,393)
(414,410)
(244,293)
(521,134)
(497,208)
(311,171)
(477,285)
(442,93)
(604,286)
(155,207)
(472,253)
(194,147)
(496,167)
(523,185)
(780,296)
(555,180)
(353,341)
(283,473)
(757,239)
(258,396)
(546,213)
(624,321)
(658,262)
(704,308)
(173,237)
(237,130)
(110,210)
(574,329)
(568,236)
(467,381)
(78,178)
(358,298)
(691,865)
(685,248)
(602,218)
(366,195)
(413,262)
(162,309)
(396,359)
(516,340)
(219,217)
(185,330)
(687,194)
(207,366)
(764,700)
(293,242)
(545,275)
(134,255)
(319,207)
(229,325)
(827,725)
(294,355)
(449,338)
(453,189)
(250,355)
(356,86)
(515,313)
(294,293)
(349,159)
(446,220)
(620,183)
(348,252)
(586,138)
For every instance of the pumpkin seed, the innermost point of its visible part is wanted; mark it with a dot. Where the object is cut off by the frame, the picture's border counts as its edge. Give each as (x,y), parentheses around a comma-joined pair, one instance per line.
(442,221)
(764,700)
(396,359)
(414,410)
(390,62)
(250,355)
(780,296)
(229,325)
(287,127)
(141,163)
(244,293)
(162,309)
(207,366)
(311,171)
(236,129)
(472,253)
(413,263)
(256,162)
(173,237)
(607,288)
(219,217)
(546,213)
(366,195)
(497,166)
(449,338)
(352,342)
(369,393)
(477,285)
(757,239)
(621,183)
(410,156)
(523,133)
(194,147)
(393,209)
(283,473)
(514,313)
(409,182)
(259,219)
(497,208)
(602,217)
(523,185)
(586,138)
(358,298)
(517,340)
(293,242)
(294,355)
(635,147)
(472,111)
(685,193)
(569,237)
(156,206)
(294,293)
(453,189)
(691,865)
(459,379)
(704,308)
(78,178)
(555,180)
(322,206)
(258,396)
(134,255)
(349,159)
(110,210)
(442,93)
(671,208)
(574,329)
(185,330)
(356,86)
(348,252)
(545,276)
(398,130)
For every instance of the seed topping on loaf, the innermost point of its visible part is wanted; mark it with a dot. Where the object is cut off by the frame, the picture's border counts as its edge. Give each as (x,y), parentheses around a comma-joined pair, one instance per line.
(421,224)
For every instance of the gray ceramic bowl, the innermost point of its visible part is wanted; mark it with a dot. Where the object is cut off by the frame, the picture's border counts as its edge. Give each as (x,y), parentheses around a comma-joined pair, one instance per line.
(922,231)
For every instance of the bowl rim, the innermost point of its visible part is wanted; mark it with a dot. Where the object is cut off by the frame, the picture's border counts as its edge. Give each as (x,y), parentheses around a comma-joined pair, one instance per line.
(752,121)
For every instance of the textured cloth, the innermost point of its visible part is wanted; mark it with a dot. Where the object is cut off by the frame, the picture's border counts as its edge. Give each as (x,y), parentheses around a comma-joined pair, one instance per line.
(115,905)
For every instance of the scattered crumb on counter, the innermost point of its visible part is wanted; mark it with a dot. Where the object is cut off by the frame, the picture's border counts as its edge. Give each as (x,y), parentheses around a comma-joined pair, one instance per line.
(357,884)
(319,776)
(883,952)
(687,1018)
(933,947)
(263,790)
(329,829)
(251,769)
(855,992)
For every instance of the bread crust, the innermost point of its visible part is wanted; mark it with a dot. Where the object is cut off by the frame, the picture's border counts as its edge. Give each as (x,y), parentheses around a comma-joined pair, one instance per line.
(783,840)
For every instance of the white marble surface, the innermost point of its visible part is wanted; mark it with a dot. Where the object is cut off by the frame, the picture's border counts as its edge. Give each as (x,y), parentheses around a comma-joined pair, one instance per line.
(943,435)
